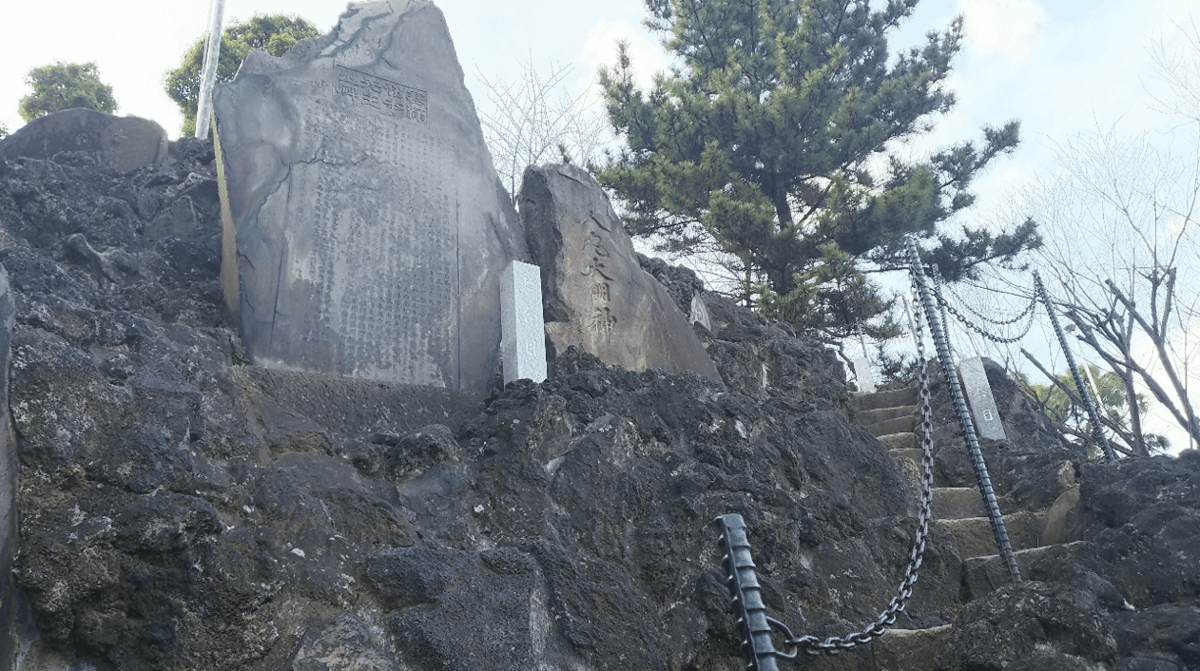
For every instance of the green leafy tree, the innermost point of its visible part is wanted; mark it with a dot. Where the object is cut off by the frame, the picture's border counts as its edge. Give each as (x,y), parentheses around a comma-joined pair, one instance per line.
(274,34)
(65,86)
(1112,402)
(3,131)
(774,141)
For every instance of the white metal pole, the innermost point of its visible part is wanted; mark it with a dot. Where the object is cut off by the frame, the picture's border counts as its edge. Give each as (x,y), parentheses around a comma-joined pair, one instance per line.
(208,74)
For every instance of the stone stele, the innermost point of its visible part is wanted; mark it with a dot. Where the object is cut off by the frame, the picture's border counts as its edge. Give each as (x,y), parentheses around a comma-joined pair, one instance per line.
(365,230)
(983,403)
(595,295)
(121,143)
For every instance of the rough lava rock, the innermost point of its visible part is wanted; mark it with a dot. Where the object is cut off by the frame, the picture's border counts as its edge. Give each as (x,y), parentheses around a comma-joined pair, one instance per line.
(181,509)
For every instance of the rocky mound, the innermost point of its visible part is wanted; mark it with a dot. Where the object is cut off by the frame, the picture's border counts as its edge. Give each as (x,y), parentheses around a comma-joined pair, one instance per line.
(180,509)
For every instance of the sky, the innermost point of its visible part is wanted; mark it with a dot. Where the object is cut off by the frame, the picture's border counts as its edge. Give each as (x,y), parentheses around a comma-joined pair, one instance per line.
(1061,67)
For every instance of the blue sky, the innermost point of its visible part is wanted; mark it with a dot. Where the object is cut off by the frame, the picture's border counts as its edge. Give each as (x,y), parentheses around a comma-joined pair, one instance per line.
(1062,67)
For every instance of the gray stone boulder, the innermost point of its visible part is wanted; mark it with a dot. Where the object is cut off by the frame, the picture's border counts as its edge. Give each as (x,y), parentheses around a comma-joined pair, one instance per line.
(595,294)
(366,232)
(120,143)
(8,479)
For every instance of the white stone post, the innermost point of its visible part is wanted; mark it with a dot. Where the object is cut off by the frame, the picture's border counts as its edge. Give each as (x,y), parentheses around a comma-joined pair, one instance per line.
(983,403)
(208,75)
(522,329)
(862,371)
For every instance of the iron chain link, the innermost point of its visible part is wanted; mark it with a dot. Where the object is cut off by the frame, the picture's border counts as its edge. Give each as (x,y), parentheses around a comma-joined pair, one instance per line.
(835,644)
(984,318)
(1029,311)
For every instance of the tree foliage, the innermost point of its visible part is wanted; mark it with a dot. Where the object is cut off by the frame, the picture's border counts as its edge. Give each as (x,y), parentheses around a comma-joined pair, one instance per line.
(65,86)
(274,34)
(1132,280)
(777,141)
(1109,394)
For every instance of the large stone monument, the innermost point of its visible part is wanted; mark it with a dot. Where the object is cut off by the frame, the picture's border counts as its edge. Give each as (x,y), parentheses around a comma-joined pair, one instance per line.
(365,230)
(121,143)
(595,295)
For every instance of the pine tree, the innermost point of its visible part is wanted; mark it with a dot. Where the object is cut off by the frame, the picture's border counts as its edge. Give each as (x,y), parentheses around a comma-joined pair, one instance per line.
(774,141)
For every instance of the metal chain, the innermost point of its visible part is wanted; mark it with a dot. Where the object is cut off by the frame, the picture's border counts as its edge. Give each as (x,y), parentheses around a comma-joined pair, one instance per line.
(984,318)
(1093,414)
(971,325)
(835,644)
(946,358)
(937,291)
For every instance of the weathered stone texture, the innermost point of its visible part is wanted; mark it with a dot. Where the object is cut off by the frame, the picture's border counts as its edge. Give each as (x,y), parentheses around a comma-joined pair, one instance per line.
(8,481)
(366,230)
(523,346)
(596,296)
(979,394)
(121,143)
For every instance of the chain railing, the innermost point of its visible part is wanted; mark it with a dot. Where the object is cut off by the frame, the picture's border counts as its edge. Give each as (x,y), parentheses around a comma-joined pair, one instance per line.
(745,591)
(946,358)
(743,584)
(1093,414)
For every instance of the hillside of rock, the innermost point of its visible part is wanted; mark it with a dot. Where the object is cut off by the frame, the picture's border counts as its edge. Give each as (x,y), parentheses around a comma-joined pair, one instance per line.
(180,509)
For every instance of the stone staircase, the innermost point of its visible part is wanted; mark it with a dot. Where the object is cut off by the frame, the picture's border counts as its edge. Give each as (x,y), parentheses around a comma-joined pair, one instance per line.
(892,417)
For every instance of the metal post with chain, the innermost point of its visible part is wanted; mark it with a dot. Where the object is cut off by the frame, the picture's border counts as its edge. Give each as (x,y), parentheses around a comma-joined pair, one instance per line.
(964,416)
(942,303)
(1097,429)
(745,591)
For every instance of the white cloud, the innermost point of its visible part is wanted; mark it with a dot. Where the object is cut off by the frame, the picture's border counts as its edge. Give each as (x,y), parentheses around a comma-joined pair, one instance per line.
(1003,27)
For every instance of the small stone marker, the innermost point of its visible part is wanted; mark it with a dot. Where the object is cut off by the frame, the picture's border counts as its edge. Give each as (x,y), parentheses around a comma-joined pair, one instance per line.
(595,294)
(121,143)
(365,229)
(983,404)
(523,345)
(698,314)
(862,370)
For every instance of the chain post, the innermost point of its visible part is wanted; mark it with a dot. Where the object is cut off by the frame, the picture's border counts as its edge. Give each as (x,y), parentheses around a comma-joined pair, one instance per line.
(936,274)
(945,357)
(746,595)
(1093,414)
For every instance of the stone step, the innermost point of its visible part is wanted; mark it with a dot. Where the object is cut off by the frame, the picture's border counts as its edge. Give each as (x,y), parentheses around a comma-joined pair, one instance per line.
(975,537)
(911,648)
(955,503)
(894,425)
(899,441)
(913,454)
(1055,529)
(885,399)
(982,575)
(876,415)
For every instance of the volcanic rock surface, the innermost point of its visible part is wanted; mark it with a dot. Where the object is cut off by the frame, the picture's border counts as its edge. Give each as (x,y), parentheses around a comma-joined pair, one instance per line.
(181,509)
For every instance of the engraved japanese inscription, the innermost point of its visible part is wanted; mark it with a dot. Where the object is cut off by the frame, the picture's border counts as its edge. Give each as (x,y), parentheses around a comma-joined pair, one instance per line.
(364,230)
(383,262)
(382,95)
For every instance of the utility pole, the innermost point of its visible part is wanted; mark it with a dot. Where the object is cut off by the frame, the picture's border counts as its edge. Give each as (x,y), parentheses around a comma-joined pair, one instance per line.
(208,75)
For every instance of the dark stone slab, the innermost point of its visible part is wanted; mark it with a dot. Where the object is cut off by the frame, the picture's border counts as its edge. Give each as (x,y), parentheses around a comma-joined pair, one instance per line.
(122,143)
(8,483)
(365,230)
(595,294)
